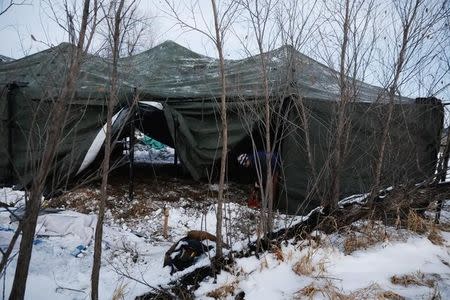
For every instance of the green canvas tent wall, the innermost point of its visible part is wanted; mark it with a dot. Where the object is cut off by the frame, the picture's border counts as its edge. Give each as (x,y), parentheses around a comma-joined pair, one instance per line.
(180,89)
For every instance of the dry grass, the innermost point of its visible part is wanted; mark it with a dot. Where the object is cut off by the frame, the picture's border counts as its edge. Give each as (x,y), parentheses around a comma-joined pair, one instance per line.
(308,291)
(120,292)
(352,243)
(224,291)
(444,227)
(264,264)
(389,295)
(435,236)
(417,278)
(329,291)
(278,253)
(305,265)
(364,236)
(416,223)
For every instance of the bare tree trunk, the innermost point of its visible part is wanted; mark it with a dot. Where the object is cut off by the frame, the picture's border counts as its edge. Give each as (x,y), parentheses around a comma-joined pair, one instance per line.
(339,144)
(51,145)
(105,165)
(223,115)
(7,253)
(259,13)
(268,189)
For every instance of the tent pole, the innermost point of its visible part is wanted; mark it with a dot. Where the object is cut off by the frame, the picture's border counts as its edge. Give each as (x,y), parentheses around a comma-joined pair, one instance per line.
(175,156)
(10,122)
(131,149)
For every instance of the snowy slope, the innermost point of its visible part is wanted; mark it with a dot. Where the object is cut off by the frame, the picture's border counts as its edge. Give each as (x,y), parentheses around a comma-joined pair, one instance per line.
(134,250)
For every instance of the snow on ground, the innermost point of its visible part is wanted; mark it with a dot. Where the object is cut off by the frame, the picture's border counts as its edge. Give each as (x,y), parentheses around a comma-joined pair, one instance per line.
(306,270)
(134,248)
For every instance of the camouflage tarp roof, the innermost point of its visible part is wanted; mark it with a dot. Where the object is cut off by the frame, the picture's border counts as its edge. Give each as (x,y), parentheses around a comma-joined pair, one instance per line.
(170,71)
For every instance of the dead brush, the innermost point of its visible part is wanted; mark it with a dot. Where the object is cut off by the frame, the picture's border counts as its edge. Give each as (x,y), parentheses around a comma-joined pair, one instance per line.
(308,291)
(417,278)
(390,295)
(435,236)
(330,291)
(137,209)
(224,291)
(364,236)
(416,223)
(120,292)
(374,291)
(278,252)
(304,266)
(264,264)
(327,290)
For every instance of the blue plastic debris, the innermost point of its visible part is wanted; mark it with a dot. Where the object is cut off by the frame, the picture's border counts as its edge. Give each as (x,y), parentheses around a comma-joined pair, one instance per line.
(37,241)
(78,250)
(6,229)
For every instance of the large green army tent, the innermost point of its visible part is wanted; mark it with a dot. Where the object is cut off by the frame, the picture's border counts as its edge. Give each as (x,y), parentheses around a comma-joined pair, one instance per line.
(178,92)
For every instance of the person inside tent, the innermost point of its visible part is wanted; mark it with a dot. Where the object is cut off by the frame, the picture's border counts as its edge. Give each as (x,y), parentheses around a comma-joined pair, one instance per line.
(258,163)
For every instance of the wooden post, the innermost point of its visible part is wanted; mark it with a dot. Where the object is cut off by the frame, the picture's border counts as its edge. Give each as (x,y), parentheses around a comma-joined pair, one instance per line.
(166,222)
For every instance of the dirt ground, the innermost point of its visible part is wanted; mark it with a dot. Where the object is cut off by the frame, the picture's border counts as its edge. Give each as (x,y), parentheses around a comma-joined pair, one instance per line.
(152,188)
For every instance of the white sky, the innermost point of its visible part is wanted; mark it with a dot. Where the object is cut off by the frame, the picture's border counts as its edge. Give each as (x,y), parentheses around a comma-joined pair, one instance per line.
(21,22)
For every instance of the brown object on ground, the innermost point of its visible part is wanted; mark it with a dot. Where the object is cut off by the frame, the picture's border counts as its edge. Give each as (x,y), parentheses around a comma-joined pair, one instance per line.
(198,235)
(417,278)
(166,222)
(201,235)
(204,235)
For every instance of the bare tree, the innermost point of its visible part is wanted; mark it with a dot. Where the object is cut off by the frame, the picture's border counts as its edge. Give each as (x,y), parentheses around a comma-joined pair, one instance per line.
(125,26)
(4,7)
(223,109)
(414,25)
(45,163)
(114,21)
(222,22)
(347,34)
(259,18)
